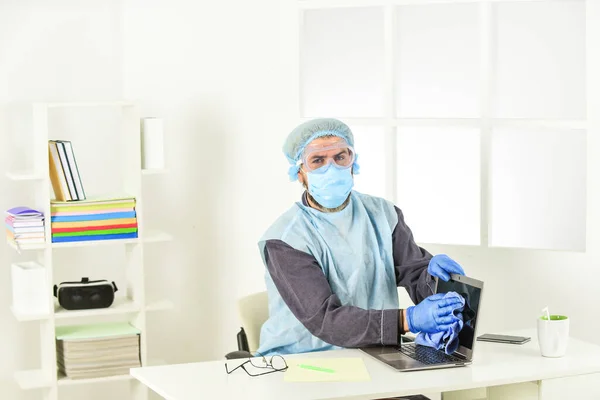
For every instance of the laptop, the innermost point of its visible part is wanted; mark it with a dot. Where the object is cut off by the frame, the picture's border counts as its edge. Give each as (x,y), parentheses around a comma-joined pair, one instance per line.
(409,356)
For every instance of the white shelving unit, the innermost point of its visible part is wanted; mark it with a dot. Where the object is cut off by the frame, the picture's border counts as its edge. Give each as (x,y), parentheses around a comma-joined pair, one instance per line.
(133,304)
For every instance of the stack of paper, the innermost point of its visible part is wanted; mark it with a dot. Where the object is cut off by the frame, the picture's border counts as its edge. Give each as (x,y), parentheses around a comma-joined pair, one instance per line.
(24,226)
(92,351)
(93,219)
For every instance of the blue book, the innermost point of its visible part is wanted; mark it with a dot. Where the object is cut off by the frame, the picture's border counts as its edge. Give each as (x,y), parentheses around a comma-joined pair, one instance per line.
(62,239)
(93,217)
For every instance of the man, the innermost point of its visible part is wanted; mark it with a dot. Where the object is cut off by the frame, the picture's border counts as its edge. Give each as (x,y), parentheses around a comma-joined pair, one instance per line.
(335,259)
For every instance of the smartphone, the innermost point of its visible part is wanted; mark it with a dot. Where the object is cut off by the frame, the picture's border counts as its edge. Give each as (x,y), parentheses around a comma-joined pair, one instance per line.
(489,337)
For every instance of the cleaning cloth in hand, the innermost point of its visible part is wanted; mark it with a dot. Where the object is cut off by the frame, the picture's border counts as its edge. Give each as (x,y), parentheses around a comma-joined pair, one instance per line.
(447,339)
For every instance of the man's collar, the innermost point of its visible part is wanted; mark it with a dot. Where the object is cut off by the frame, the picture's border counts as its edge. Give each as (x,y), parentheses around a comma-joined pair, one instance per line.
(305,199)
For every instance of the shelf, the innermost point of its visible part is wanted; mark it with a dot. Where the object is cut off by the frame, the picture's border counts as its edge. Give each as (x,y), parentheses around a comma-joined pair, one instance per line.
(150,237)
(93,243)
(121,305)
(64,381)
(89,104)
(24,176)
(32,379)
(35,379)
(31,176)
(126,306)
(154,171)
(37,246)
(21,317)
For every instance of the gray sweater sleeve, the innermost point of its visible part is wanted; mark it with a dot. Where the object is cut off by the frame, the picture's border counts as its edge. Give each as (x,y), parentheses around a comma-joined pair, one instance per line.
(411,262)
(304,288)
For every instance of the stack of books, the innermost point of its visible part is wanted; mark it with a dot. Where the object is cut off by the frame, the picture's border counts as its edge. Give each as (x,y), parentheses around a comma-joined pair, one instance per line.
(24,227)
(97,350)
(93,219)
(64,173)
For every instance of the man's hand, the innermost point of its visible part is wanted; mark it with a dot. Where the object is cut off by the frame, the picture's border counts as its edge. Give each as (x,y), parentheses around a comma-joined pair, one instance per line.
(434,314)
(404,322)
(442,266)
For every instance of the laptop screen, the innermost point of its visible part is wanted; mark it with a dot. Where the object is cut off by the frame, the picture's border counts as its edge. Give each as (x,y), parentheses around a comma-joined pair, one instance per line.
(472,296)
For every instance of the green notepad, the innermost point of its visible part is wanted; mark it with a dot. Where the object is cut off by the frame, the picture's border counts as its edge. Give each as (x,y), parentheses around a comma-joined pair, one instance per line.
(326,370)
(92,331)
(95,200)
(95,207)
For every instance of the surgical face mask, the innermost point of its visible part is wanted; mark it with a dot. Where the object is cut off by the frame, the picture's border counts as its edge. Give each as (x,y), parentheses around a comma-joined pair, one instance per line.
(330,185)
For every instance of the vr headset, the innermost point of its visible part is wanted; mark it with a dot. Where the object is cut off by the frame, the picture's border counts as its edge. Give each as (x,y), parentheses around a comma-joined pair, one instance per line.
(85,294)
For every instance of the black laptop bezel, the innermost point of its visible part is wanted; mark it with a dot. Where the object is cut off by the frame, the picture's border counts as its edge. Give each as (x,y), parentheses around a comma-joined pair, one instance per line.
(462,351)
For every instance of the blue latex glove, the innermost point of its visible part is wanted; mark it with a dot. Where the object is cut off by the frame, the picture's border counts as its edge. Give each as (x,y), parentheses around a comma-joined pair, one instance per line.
(442,266)
(434,314)
(445,339)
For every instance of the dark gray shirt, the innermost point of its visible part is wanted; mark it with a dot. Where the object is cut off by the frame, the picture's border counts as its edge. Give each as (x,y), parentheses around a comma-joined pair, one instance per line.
(306,291)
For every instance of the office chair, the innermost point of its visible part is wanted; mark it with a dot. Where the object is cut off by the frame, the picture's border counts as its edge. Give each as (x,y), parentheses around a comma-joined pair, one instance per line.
(253,311)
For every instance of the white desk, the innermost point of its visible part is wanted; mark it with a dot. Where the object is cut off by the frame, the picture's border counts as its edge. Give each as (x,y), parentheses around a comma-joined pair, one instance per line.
(576,376)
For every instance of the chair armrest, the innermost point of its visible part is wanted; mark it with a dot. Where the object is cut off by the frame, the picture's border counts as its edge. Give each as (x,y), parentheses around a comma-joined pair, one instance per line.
(238,354)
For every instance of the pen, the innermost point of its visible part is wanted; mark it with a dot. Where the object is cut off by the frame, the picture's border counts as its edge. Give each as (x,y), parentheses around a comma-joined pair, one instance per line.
(320,369)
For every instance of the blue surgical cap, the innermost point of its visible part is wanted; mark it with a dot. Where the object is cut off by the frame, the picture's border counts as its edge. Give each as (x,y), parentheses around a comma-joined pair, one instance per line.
(308,131)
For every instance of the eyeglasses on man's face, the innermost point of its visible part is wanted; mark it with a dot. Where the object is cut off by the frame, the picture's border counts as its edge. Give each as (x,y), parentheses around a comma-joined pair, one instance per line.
(341,155)
(261,365)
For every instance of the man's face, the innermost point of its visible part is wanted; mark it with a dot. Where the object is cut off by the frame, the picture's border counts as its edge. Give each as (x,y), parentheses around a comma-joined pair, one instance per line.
(316,158)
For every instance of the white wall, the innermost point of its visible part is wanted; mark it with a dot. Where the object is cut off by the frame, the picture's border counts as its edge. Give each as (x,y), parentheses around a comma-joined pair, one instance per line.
(214,73)
(221,74)
(63,50)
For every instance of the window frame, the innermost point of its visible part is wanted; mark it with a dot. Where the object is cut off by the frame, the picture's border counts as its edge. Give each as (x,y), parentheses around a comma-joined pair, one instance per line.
(485,122)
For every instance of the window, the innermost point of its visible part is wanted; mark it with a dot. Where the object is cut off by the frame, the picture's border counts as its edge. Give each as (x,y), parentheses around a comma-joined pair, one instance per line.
(470,116)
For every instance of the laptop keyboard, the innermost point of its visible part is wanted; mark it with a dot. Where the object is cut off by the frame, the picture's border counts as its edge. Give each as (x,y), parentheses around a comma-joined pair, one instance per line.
(427,355)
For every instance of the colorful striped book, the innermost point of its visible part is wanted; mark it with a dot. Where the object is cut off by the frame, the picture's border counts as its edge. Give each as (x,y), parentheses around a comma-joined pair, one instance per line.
(93,219)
